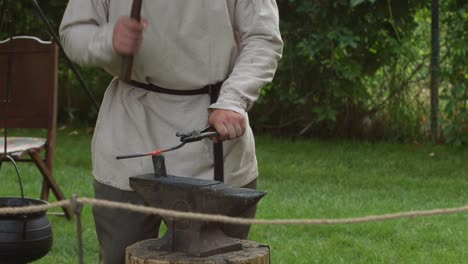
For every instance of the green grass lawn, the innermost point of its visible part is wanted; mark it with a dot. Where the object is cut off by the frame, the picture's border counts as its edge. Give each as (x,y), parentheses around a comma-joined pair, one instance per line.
(311,179)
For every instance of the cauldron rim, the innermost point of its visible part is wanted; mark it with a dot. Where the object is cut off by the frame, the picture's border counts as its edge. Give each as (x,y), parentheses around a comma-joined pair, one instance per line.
(18,202)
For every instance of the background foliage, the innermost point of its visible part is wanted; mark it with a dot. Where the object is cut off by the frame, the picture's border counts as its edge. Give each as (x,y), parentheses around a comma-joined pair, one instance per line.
(351,68)
(361,70)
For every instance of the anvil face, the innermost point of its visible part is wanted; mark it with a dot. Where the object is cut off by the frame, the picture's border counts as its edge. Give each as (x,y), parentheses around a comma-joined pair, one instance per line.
(196,238)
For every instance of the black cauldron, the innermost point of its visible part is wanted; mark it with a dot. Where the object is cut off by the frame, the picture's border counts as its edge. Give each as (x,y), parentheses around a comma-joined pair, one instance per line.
(24,237)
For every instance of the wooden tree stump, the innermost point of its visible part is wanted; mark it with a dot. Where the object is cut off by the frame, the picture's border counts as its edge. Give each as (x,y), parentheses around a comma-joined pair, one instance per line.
(142,253)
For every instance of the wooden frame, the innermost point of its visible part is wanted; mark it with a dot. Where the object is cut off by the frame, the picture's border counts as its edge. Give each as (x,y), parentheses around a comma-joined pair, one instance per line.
(34,101)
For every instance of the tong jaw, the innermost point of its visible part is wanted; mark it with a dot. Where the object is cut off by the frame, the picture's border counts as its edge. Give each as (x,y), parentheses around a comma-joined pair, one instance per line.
(197,135)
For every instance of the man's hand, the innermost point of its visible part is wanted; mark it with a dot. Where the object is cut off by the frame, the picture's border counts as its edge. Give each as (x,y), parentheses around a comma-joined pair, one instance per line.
(128,35)
(229,124)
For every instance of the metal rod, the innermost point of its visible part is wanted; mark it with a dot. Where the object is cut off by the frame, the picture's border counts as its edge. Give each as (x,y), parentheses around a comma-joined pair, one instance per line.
(153,153)
(70,63)
(9,22)
(132,156)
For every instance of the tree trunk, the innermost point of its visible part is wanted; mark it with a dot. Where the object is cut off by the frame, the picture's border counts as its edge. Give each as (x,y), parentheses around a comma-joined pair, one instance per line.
(142,252)
(435,71)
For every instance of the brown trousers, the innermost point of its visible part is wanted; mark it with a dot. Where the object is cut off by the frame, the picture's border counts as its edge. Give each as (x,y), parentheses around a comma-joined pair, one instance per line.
(117,229)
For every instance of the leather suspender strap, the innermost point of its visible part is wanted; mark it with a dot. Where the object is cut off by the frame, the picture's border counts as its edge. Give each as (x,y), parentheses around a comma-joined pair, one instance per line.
(217,147)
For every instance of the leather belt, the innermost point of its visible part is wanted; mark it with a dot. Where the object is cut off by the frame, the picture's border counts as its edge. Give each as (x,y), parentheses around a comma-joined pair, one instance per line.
(209,89)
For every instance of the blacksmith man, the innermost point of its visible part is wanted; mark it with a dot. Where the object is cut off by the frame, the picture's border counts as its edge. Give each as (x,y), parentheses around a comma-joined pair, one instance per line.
(179,45)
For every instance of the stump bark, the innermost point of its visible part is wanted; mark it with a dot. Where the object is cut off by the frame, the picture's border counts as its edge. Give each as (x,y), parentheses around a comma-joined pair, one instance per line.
(143,253)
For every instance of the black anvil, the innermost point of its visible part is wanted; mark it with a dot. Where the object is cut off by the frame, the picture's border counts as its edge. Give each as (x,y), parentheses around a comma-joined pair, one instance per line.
(195,238)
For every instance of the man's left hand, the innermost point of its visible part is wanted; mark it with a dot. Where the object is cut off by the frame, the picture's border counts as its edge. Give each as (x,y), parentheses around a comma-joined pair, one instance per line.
(229,124)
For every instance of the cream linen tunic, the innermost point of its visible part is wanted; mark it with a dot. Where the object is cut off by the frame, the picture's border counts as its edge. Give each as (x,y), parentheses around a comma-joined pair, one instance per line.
(188,44)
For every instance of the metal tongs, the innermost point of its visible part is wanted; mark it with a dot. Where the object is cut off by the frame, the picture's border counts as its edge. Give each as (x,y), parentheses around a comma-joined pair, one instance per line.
(185,138)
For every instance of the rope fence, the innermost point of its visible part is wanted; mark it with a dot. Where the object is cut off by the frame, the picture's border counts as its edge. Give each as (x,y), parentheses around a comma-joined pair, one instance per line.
(79,202)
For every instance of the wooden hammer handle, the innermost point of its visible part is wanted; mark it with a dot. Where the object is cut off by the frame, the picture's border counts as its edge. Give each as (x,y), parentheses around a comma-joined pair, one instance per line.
(127,61)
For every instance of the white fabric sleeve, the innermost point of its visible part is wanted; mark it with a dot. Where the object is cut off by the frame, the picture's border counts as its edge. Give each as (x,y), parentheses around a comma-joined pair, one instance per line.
(257,22)
(87,36)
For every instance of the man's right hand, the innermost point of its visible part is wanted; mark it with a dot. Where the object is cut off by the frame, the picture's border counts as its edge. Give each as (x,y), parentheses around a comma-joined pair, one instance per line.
(128,35)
